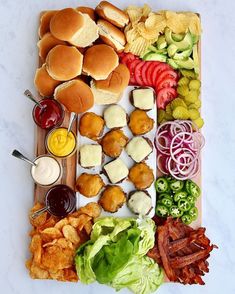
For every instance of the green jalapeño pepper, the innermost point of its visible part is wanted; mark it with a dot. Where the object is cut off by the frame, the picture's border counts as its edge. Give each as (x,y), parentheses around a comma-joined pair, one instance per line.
(191,199)
(180,195)
(186,219)
(161,185)
(184,205)
(164,195)
(161,210)
(176,185)
(193,212)
(192,188)
(175,211)
(167,201)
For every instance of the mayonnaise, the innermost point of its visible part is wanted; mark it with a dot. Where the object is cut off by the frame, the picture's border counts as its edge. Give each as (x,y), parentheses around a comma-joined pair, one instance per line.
(47,170)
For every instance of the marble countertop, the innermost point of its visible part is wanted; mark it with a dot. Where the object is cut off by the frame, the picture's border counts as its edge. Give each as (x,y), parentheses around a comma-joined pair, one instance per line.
(18,61)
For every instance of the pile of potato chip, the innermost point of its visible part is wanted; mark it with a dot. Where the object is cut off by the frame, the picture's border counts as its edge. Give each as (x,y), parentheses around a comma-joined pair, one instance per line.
(145,26)
(55,241)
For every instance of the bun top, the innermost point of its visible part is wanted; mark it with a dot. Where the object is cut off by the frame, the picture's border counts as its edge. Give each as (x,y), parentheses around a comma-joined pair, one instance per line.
(66,23)
(116,82)
(64,62)
(75,95)
(87,10)
(44,84)
(100,61)
(45,19)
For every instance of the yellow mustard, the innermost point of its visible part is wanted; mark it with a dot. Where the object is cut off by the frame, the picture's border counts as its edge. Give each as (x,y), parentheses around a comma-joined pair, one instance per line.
(60,143)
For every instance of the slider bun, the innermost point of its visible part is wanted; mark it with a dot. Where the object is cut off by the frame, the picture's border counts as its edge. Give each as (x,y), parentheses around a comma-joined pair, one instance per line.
(100,61)
(45,19)
(44,84)
(64,62)
(112,14)
(111,35)
(75,95)
(87,10)
(47,42)
(74,27)
(110,90)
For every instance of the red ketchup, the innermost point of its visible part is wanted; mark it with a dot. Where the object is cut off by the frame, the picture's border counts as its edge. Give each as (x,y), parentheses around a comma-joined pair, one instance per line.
(60,200)
(51,115)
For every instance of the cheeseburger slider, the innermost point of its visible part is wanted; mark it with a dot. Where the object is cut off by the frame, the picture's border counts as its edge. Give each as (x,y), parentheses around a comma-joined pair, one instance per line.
(115,117)
(139,148)
(116,171)
(112,14)
(112,198)
(140,202)
(89,185)
(90,155)
(110,90)
(74,27)
(111,35)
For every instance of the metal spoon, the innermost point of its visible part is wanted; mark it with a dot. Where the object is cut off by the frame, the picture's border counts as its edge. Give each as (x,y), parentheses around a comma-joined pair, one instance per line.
(19,155)
(39,212)
(32,98)
(73,115)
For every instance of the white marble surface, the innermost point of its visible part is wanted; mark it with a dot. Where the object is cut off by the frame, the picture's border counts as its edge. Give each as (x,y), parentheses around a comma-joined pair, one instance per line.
(18,61)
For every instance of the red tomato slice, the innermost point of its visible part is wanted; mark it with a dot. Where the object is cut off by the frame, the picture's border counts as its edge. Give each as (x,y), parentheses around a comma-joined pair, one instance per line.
(158,69)
(132,66)
(138,75)
(128,57)
(144,70)
(150,70)
(166,74)
(164,96)
(166,83)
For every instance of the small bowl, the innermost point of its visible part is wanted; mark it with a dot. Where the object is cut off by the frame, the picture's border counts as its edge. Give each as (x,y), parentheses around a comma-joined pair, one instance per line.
(57,178)
(54,154)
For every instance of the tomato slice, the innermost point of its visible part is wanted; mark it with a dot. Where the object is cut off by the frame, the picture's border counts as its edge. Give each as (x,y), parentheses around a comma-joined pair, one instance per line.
(166,83)
(138,75)
(150,70)
(144,70)
(166,74)
(131,67)
(158,69)
(164,96)
(128,57)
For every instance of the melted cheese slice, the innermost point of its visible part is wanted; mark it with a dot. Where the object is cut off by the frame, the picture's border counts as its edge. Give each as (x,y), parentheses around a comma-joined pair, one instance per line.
(138,148)
(90,155)
(115,117)
(143,98)
(116,170)
(140,203)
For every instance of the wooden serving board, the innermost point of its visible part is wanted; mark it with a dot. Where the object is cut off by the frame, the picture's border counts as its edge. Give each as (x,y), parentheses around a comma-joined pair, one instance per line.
(69,164)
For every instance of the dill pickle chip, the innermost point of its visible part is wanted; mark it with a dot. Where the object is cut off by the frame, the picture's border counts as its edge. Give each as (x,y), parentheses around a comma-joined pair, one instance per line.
(193,113)
(177,102)
(160,115)
(194,85)
(192,96)
(188,73)
(169,116)
(183,81)
(168,108)
(199,122)
(183,90)
(198,103)
(180,112)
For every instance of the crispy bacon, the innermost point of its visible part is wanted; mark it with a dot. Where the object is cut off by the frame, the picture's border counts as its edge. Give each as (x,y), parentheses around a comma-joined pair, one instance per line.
(182,251)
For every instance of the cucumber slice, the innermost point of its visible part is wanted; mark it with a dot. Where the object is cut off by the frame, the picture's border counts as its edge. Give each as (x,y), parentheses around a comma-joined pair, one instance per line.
(155,56)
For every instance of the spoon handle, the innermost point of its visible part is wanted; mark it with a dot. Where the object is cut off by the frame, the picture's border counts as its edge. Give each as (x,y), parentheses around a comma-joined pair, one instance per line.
(31,97)
(19,155)
(38,212)
(73,115)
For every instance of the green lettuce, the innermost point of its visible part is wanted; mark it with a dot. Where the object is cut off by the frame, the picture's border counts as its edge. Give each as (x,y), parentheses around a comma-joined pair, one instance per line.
(115,255)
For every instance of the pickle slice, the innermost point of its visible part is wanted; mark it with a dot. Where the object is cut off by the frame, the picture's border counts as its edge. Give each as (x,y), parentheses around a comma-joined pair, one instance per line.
(199,122)
(168,109)
(188,73)
(193,113)
(177,102)
(183,90)
(194,85)
(192,96)
(184,81)
(180,112)
(160,115)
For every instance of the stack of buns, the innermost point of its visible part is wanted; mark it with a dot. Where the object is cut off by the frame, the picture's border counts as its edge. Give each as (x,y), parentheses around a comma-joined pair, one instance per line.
(68,55)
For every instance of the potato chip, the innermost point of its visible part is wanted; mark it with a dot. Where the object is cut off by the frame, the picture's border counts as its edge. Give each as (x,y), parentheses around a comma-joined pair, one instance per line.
(64,243)
(57,275)
(134,13)
(36,272)
(36,248)
(132,34)
(49,243)
(39,220)
(71,234)
(49,234)
(70,275)
(92,209)
(83,219)
(155,22)
(177,23)
(88,227)
(51,221)
(146,10)
(145,33)
(61,223)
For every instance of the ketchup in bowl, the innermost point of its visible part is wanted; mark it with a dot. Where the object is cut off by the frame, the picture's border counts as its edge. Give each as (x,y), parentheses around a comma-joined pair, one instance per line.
(60,200)
(50,115)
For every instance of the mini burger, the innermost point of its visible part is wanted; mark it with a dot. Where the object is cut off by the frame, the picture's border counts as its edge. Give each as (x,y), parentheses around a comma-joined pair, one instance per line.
(140,202)
(91,125)
(139,148)
(112,198)
(115,117)
(116,171)
(140,123)
(141,175)
(89,185)
(90,155)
